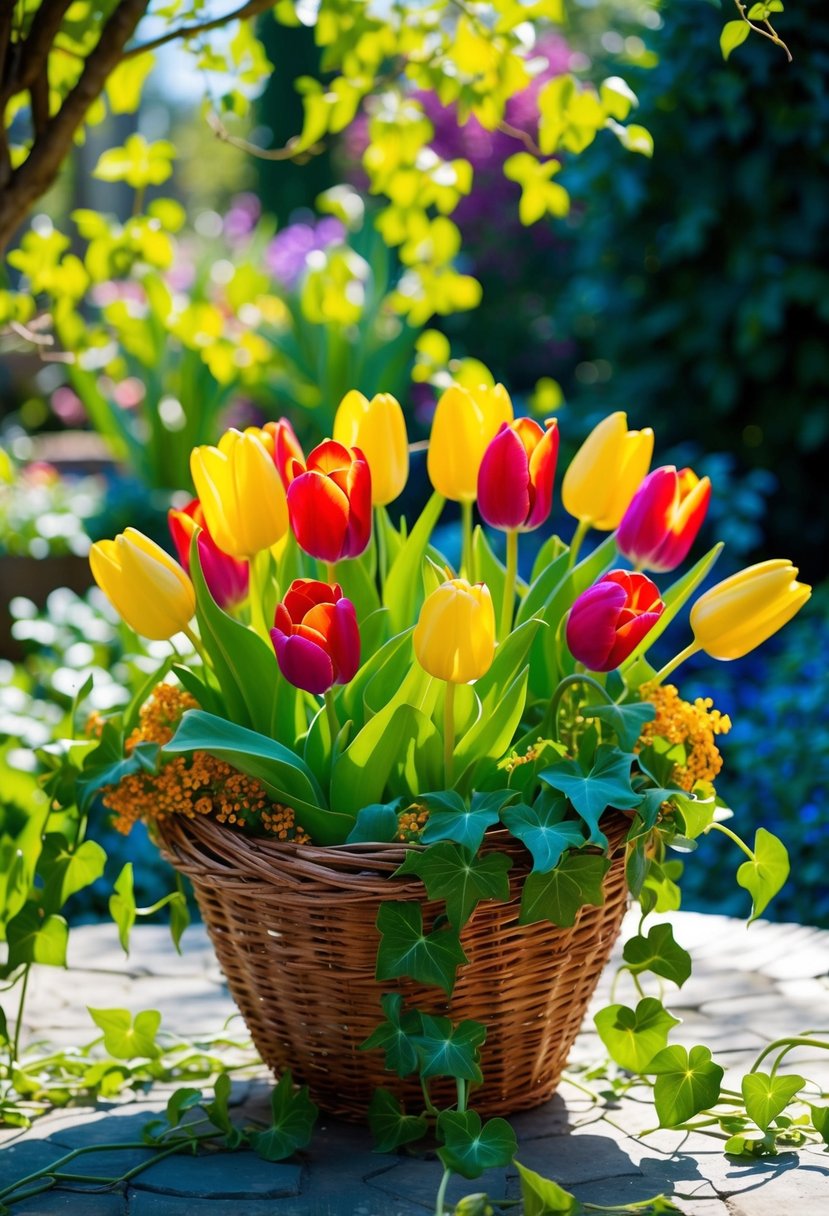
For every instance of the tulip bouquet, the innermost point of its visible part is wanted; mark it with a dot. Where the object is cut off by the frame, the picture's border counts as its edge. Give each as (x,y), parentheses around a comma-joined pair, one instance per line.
(346,688)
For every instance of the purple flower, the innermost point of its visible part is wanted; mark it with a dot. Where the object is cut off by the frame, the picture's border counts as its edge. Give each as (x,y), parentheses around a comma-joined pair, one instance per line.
(241,217)
(287,253)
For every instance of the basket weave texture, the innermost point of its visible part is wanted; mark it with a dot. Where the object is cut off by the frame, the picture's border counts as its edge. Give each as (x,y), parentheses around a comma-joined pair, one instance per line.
(293,927)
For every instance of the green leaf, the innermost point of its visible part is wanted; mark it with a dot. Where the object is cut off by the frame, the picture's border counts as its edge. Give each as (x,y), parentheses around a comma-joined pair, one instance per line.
(559,895)
(544,830)
(122,905)
(489,738)
(390,1125)
(218,1111)
(768,1096)
(686,1083)
(35,938)
(65,871)
(450,818)
(469,1147)
(402,589)
(634,1036)
(445,1050)
(179,1102)
(607,784)
(546,578)
(461,878)
(766,873)
(395,1036)
(126,1038)
(376,823)
(734,34)
(293,1116)
(542,1197)
(626,721)
(674,599)
(123,88)
(659,953)
(179,917)
(820,1121)
(405,949)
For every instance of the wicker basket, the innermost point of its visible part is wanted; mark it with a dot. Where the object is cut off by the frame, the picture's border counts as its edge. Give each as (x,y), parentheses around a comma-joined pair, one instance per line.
(294,932)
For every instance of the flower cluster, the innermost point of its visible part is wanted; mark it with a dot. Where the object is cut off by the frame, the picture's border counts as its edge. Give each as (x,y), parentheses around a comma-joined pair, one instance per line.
(692,724)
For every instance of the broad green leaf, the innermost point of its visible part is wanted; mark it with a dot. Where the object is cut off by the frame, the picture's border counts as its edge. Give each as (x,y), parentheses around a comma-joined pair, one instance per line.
(697,814)
(385,672)
(741,1145)
(65,871)
(768,1096)
(546,578)
(218,1111)
(660,892)
(450,872)
(766,873)
(559,895)
(395,1036)
(607,784)
(293,1115)
(180,1101)
(492,734)
(544,830)
(820,1121)
(674,600)
(124,85)
(122,905)
(406,949)
(686,1083)
(626,721)
(634,1036)
(451,818)
(445,1050)
(660,759)
(376,823)
(179,917)
(543,1197)
(734,34)
(35,938)
(401,593)
(390,1125)
(510,659)
(470,1147)
(125,1037)
(659,953)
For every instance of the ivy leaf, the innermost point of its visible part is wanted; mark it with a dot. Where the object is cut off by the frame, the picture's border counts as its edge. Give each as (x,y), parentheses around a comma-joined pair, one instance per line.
(543,1197)
(65,871)
(293,1116)
(35,938)
(766,1097)
(390,1125)
(429,958)
(126,1038)
(461,878)
(450,1051)
(451,819)
(697,813)
(558,895)
(686,1083)
(376,823)
(659,953)
(734,34)
(765,874)
(122,905)
(470,1147)
(607,784)
(543,829)
(395,1035)
(634,1036)
(626,721)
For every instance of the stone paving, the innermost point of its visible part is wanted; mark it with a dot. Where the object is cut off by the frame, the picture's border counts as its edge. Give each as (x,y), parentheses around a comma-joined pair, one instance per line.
(748,987)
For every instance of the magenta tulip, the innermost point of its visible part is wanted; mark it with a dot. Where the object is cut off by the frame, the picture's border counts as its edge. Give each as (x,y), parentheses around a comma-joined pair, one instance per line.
(315,636)
(663,519)
(608,620)
(515,480)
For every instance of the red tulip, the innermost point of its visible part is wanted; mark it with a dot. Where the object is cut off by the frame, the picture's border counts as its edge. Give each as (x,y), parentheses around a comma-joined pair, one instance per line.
(286,447)
(226,577)
(608,620)
(515,480)
(663,519)
(329,502)
(315,636)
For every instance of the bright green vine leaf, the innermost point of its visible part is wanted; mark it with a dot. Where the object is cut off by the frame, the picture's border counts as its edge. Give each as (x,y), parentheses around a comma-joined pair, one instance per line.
(390,1125)
(543,829)
(634,1036)
(469,1147)
(659,953)
(218,1111)
(820,1121)
(395,1036)
(180,1101)
(686,1083)
(768,1096)
(734,34)
(543,1197)
(558,895)
(128,1038)
(405,949)
(137,162)
(450,872)
(66,871)
(293,1116)
(764,876)
(607,784)
(34,938)
(450,1051)
(122,905)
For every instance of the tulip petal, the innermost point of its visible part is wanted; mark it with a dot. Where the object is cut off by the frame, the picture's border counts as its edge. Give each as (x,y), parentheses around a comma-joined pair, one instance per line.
(543,460)
(344,641)
(359,501)
(684,528)
(647,520)
(319,515)
(591,624)
(302,662)
(504,481)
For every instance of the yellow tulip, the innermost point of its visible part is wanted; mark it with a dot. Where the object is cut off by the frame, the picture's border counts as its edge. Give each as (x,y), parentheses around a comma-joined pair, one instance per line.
(241,494)
(742,611)
(145,586)
(465,421)
(378,429)
(454,638)
(606,472)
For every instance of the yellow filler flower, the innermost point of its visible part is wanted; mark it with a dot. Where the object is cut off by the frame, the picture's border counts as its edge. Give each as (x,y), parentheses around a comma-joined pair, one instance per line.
(241,494)
(146,587)
(454,638)
(378,429)
(465,421)
(606,472)
(739,613)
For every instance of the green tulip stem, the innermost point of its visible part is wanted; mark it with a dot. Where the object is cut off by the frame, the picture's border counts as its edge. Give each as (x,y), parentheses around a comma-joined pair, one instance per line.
(380,541)
(448,733)
(581,531)
(330,573)
(259,566)
(195,642)
(675,662)
(467,555)
(551,717)
(510,577)
(331,714)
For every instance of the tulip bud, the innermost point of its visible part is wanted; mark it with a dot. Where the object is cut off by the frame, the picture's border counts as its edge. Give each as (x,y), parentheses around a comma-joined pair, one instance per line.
(241,494)
(281,441)
(226,577)
(146,587)
(663,519)
(739,613)
(378,429)
(464,423)
(329,502)
(515,480)
(454,638)
(606,471)
(608,620)
(315,636)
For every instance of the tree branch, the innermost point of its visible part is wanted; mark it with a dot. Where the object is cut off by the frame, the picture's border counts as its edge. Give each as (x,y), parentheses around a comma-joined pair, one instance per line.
(251,9)
(35,49)
(39,94)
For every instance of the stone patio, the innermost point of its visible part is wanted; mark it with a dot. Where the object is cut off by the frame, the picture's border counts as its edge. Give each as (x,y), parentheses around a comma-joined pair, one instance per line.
(748,987)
